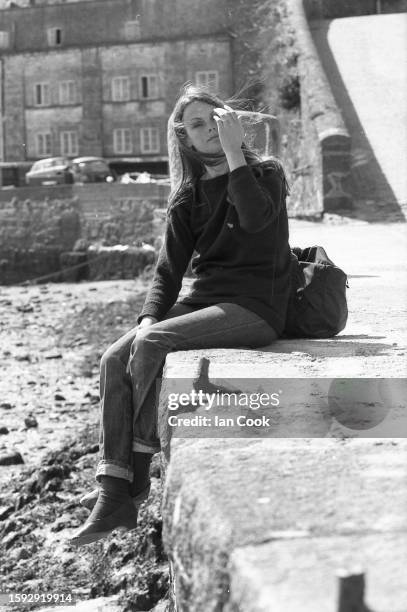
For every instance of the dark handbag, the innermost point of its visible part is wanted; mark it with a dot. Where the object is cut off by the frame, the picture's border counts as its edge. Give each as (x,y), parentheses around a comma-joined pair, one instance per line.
(317,307)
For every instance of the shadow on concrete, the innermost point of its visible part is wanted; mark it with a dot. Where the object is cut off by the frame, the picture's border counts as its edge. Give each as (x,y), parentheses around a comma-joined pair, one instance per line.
(339,346)
(363,276)
(359,337)
(374,199)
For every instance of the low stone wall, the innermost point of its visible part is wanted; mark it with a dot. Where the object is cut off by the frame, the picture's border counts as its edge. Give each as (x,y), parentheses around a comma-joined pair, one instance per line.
(60,215)
(19,265)
(37,225)
(325,147)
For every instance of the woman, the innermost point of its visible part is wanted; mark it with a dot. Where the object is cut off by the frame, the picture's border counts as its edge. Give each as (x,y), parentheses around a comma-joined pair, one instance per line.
(230,209)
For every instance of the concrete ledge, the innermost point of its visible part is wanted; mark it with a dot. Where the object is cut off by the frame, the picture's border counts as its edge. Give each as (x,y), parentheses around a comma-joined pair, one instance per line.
(263,525)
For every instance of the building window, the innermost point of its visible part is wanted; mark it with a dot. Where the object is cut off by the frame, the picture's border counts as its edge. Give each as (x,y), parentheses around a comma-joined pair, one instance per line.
(4,39)
(69,143)
(132,29)
(120,89)
(149,86)
(150,140)
(67,92)
(54,36)
(122,140)
(209,79)
(41,94)
(43,144)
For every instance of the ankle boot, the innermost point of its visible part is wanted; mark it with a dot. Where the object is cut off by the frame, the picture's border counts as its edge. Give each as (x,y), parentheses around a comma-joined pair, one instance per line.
(114,510)
(89,500)
(124,518)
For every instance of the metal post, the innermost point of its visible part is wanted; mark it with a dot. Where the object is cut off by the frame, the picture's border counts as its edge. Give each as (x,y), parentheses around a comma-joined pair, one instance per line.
(351,591)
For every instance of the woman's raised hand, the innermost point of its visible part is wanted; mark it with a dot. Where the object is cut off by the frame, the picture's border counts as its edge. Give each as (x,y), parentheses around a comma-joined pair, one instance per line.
(231,136)
(229,129)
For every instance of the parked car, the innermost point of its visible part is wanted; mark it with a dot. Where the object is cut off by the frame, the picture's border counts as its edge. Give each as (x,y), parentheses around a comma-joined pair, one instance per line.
(92,170)
(50,171)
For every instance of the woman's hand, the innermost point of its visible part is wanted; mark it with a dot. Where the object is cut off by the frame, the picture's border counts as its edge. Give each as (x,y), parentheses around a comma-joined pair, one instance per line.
(147,321)
(230,135)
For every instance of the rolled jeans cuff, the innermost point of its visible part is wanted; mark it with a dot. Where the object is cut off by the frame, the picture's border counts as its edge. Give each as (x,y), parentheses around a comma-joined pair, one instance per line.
(139,446)
(108,468)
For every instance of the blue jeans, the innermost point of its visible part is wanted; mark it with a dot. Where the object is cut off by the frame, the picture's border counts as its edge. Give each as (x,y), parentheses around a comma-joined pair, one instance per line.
(130,367)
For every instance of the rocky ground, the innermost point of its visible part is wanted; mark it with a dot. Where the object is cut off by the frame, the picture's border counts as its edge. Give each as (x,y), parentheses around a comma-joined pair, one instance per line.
(51,339)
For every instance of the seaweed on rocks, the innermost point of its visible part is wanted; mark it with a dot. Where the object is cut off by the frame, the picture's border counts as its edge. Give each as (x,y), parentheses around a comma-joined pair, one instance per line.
(41,510)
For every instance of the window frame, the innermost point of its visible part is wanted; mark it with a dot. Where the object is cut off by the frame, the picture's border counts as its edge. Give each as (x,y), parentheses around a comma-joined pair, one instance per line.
(148,76)
(44,89)
(52,36)
(150,130)
(43,151)
(69,99)
(120,138)
(4,39)
(207,81)
(71,151)
(115,89)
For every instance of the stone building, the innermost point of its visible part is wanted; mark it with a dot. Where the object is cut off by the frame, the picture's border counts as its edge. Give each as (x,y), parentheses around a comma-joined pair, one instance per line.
(100,77)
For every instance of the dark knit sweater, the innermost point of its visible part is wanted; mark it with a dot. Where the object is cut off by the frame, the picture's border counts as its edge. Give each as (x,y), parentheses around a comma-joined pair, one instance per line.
(237,225)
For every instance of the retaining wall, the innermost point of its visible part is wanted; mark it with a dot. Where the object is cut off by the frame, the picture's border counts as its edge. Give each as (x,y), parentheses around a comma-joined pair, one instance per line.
(323,182)
(37,225)
(325,148)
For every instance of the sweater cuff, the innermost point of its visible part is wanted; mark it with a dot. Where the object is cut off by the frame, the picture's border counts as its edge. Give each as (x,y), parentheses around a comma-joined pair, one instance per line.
(240,171)
(151,312)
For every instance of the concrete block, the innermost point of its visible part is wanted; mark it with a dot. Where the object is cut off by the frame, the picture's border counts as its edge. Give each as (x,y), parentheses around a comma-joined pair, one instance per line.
(294,572)
(265,525)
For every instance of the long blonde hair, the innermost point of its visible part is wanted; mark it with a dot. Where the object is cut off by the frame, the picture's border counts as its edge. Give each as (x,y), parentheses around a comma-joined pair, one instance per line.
(192,161)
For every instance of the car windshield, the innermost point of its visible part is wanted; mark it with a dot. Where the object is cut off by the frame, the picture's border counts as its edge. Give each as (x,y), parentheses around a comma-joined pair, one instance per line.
(49,163)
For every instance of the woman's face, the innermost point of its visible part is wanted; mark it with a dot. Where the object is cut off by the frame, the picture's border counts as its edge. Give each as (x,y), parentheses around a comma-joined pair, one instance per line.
(201,127)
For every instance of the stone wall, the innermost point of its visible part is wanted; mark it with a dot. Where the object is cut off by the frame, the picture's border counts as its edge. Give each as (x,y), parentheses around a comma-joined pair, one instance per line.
(37,225)
(321,175)
(325,145)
